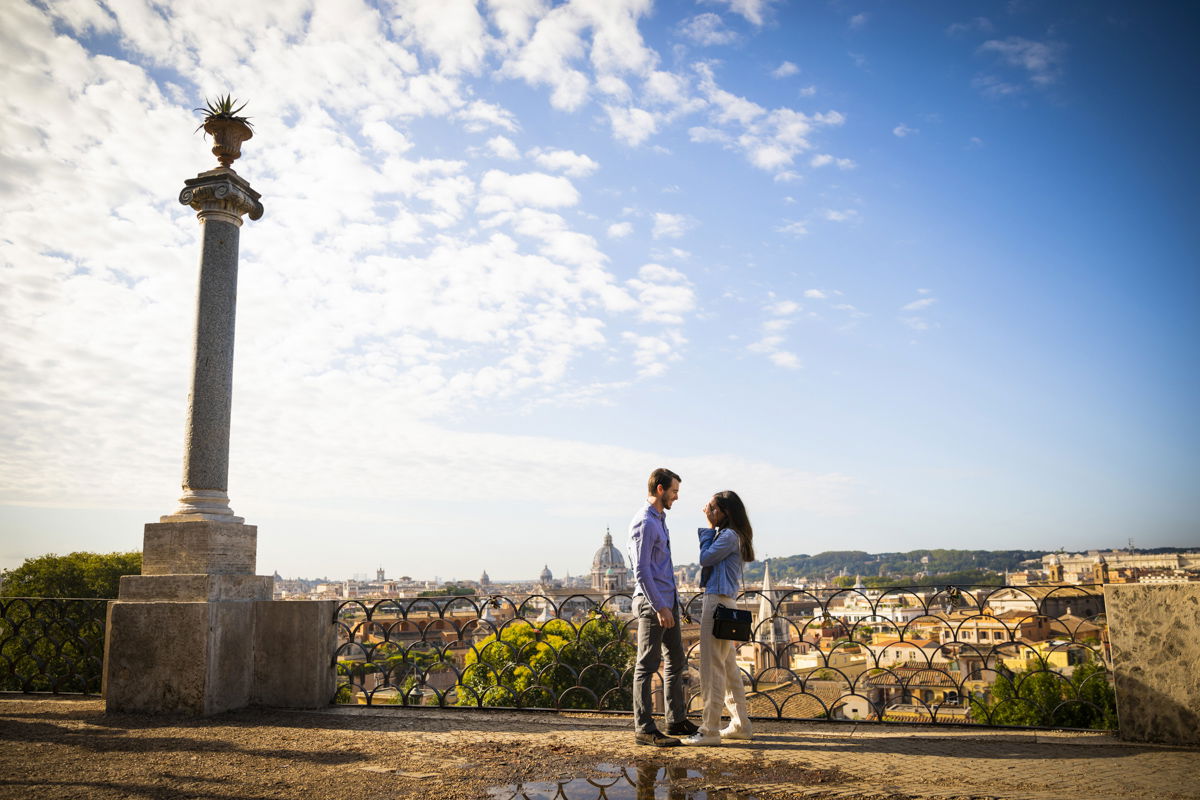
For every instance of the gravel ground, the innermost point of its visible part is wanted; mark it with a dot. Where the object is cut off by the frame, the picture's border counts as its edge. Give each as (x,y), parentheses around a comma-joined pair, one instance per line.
(70,748)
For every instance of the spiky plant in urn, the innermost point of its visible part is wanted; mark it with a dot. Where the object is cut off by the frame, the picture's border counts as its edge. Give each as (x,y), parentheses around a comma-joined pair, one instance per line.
(228,130)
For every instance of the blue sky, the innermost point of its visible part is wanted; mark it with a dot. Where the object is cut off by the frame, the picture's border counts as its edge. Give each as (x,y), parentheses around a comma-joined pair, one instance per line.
(902,275)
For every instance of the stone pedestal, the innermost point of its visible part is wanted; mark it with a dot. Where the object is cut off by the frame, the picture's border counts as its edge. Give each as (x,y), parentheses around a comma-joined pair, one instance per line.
(1154,632)
(198,633)
(182,657)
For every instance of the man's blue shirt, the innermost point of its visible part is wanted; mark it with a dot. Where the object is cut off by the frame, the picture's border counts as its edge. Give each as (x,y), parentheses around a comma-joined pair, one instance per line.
(650,558)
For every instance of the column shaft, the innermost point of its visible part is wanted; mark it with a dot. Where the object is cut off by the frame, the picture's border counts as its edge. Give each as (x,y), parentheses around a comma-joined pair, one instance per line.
(206,436)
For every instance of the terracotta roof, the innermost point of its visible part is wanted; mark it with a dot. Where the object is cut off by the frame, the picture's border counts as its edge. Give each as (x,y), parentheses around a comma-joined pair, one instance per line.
(912,676)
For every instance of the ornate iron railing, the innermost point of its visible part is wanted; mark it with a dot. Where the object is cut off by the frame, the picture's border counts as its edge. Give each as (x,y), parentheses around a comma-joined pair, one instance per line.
(980,655)
(51,644)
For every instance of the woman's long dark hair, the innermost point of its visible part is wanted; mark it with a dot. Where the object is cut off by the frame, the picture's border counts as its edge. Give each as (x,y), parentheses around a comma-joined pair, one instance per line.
(736,517)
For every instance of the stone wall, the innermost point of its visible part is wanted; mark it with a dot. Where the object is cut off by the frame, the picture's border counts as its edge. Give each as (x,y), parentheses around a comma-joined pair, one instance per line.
(1155,636)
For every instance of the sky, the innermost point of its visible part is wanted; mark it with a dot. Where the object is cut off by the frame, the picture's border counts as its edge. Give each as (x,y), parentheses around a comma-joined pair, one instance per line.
(903,275)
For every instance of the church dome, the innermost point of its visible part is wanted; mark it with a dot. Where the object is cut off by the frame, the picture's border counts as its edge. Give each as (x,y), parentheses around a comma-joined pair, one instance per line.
(546,575)
(607,556)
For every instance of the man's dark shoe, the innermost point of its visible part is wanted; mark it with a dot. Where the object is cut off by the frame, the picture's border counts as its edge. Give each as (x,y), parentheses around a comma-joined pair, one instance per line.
(685,728)
(656,739)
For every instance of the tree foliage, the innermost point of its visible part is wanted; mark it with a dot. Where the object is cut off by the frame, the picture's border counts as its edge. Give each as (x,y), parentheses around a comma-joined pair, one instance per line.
(449,591)
(398,671)
(890,569)
(51,643)
(1043,698)
(72,575)
(551,666)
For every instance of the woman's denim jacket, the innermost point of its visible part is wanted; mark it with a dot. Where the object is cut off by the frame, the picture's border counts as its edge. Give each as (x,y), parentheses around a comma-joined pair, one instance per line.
(720,561)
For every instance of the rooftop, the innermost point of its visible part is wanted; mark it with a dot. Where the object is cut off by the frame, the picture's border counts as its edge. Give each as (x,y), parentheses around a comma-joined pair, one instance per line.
(70,748)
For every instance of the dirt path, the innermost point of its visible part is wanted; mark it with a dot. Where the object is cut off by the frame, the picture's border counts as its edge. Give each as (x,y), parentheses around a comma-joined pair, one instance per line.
(68,748)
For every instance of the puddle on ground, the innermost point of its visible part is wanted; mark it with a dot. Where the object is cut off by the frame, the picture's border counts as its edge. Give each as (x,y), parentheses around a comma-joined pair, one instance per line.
(639,782)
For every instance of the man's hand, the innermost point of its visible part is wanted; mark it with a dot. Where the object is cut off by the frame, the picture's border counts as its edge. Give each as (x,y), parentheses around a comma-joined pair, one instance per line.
(665,618)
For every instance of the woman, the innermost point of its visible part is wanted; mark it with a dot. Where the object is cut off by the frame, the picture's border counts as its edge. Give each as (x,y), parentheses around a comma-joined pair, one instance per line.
(724,548)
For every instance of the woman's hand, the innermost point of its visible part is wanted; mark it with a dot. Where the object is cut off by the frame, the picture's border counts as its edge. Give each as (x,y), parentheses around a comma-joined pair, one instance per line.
(712,514)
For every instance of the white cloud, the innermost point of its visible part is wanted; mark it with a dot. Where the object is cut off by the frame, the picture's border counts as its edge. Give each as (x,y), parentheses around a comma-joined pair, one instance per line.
(903,130)
(815,294)
(619,230)
(545,58)
(708,30)
(631,125)
(824,159)
(770,346)
(653,354)
(784,70)
(858,20)
(770,140)
(552,55)
(451,31)
(782,358)
(503,147)
(701,135)
(530,188)
(794,228)
(614,87)
(808,91)
(982,24)
(574,164)
(670,225)
(992,86)
(385,138)
(913,319)
(1042,61)
(755,11)
(479,116)
(664,294)
(670,94)
(783,308)
(845,215)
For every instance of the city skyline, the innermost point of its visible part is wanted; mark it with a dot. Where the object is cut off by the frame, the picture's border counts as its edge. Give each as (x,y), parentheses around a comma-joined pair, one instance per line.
(903,276)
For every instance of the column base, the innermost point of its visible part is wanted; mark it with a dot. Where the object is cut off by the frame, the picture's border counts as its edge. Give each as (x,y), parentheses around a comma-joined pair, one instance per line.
(199,547)
(203,504)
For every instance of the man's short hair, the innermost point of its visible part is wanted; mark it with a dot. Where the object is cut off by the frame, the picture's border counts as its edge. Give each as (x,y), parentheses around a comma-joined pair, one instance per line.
(661,477)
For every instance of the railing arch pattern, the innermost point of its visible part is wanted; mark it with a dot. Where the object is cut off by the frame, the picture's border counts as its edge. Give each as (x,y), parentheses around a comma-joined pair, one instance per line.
(51,644)
(985,655)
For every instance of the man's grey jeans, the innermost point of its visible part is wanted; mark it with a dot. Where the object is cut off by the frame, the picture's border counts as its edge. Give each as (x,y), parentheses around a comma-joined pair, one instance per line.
(652,642)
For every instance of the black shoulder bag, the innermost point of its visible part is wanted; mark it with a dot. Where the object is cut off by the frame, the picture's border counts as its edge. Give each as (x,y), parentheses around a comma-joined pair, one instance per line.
(731,623)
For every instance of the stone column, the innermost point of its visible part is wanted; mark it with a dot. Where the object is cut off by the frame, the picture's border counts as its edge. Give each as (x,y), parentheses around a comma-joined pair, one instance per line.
(197,631)
(220,198)
(181,636)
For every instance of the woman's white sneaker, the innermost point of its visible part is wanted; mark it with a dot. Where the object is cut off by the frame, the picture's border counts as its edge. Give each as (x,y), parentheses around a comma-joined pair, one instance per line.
(700,740)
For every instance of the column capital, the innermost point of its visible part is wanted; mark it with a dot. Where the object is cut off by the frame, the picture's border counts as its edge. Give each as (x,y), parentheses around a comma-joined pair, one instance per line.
(221,194)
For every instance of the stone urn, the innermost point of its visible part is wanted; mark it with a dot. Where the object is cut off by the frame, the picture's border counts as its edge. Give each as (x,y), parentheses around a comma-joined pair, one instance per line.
(228,135)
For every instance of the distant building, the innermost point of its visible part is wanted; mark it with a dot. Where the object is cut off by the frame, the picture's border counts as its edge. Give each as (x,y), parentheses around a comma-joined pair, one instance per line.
(609,574)
(1119,566)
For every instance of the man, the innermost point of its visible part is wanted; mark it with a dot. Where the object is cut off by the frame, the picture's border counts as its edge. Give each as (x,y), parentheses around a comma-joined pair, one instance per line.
(656,603)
